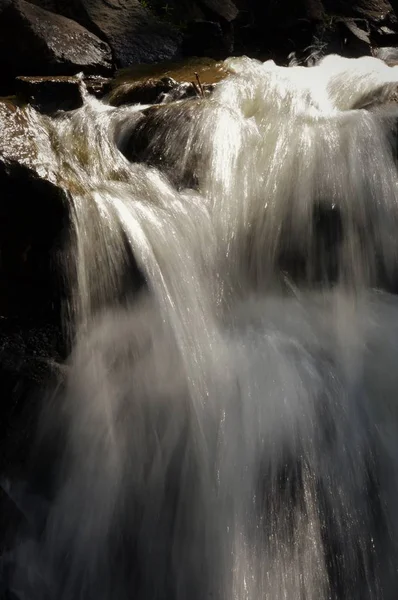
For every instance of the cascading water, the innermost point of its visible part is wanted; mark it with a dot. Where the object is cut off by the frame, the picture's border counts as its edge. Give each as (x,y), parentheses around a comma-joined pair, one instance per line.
(230,431)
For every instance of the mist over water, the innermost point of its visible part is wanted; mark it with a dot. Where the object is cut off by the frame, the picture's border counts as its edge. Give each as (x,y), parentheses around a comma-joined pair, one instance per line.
(231,430)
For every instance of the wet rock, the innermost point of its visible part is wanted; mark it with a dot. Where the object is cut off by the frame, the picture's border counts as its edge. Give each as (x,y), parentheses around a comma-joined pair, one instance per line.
(133,32)
(384,36)
(34,41)
(166,82)
(161,135)
(389,55)
(278,28)
(157,91)
(33,224)
(33,218)
(220,27)
(347,37)
(49,94)
(98,86)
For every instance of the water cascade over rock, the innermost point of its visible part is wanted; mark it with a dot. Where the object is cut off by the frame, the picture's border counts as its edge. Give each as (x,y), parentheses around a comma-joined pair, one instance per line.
(228,424)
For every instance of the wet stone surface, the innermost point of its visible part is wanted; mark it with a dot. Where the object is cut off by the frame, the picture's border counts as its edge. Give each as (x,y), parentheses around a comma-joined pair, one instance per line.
(49,94)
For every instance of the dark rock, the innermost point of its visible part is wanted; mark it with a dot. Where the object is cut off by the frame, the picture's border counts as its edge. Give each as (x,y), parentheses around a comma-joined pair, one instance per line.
(34,41)
(157,91)
(205,38)
(150,91)
(134,33)
(389,55)
(49,94)
(51,5)
(30,364)
(33,224)
(373,10)
(159,137)
(223,8)
(98,86)
(221,27)
(33,219)
(360,31)
(288,12)
(347,37)
(278,28)
(384,36)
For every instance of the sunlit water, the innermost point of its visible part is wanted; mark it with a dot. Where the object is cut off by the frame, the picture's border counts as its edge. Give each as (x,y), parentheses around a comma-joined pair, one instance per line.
(231,430)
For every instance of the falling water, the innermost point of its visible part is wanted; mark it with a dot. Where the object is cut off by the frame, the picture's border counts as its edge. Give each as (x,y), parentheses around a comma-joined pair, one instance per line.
(229,430)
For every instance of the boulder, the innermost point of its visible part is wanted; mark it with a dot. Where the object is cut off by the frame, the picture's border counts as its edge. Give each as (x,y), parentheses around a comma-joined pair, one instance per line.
(277,29)
(49,94)
(389,55)
(158,137)
(33,218)
(34,41)
(33,222)
(133,32)
(157,91)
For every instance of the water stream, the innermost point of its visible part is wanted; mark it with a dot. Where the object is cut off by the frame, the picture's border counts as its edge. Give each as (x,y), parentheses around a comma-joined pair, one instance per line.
(230,431)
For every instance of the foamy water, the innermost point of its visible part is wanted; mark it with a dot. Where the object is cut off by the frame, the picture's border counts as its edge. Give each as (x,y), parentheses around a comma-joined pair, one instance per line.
(231,430)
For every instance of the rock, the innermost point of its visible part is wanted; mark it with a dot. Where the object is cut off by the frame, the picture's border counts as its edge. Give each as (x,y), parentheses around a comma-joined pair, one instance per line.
(49,94)
(151,91)
(133,32)
(51,5)
(223,8)
(279,28)
(221,27)
(157,91)
(29,365)
(98,86)
(347,37)
(384,36)
(34,218)
(161,135)
(206,38)
(389,55)
(34,41)
(165,82)
(287,12)
(373,10)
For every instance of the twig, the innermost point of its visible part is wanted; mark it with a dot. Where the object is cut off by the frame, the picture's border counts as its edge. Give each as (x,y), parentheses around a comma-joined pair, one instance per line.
(202,92)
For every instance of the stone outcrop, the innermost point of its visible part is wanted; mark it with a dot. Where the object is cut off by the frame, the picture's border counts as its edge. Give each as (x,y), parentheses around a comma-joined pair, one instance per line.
(34,41)
(135,33)
(51,93)
(33,218)
(155,31)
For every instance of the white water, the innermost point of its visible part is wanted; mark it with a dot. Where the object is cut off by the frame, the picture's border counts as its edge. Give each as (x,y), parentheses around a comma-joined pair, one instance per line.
(230,433)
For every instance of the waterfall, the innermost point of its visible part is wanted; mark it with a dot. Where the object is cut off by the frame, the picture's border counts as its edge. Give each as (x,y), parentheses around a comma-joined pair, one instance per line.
(229,430)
